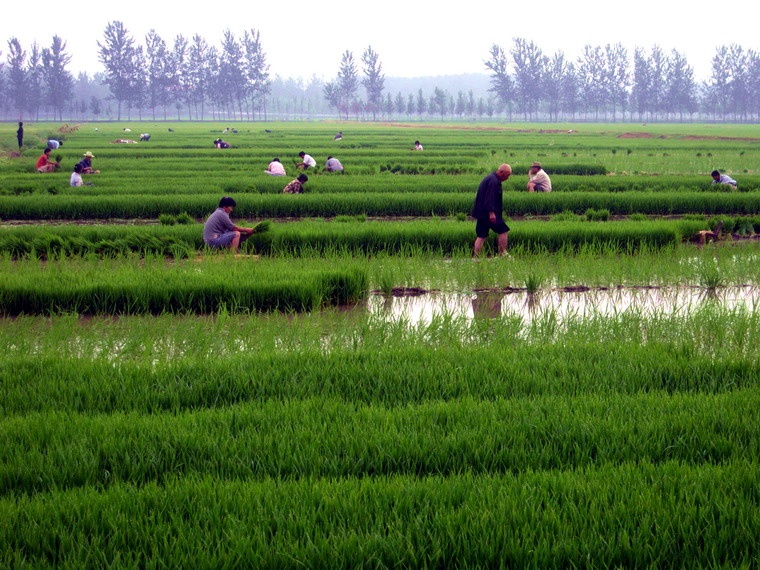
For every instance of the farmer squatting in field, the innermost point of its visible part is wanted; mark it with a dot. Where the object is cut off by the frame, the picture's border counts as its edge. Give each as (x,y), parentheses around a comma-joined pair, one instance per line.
(275,168)
(333,165)
(538,179)
(487,209)
(296,186)
(44,164)
(86,164)
(219,231)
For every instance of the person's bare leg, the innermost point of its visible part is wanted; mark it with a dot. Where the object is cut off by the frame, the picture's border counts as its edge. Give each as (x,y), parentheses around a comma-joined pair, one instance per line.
(531,186)
(235,242)
(479,245)
(503,243)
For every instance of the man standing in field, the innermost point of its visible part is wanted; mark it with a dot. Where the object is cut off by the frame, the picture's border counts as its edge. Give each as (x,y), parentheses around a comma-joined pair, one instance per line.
(487,210)
(538,179)
(719,178)
(219,231)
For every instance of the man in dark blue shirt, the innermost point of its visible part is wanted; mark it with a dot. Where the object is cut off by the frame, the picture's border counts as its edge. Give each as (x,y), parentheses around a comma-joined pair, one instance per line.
(488,209)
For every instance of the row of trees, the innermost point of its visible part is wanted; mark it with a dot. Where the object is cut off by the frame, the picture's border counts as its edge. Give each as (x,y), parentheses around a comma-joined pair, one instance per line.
(602,82)
(193,79)
(38,79)
(233,78)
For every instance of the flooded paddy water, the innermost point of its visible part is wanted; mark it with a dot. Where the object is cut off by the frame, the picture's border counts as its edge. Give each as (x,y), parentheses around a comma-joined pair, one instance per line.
(572,302)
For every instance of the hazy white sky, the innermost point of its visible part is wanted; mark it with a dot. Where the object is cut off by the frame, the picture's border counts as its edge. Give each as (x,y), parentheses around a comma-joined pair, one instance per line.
(413,38)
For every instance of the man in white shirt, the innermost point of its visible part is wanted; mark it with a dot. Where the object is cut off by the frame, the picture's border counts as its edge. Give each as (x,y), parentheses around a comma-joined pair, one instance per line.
(306,161)
(719,178)
(76,176)
(538,179)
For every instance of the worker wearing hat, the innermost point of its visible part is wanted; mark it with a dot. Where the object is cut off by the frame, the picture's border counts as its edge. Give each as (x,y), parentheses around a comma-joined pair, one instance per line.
(538,179)
(86,164)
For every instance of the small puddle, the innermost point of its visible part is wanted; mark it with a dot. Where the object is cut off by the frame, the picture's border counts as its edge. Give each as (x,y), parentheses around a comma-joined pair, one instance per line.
(583,303)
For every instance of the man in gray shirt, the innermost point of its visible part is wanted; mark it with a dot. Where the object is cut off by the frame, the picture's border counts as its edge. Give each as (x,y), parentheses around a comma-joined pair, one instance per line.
(333,165)
(219,231)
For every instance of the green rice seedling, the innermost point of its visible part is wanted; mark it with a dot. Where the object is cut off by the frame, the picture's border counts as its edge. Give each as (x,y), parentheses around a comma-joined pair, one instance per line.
(511,434)
(387,281)
(533,283)
(154,288)
(404,520)
(461,217)
(566,216)
(184,218)
(344,219)
(38,206)
(638,217)
(744,226)
(167,219)
(709,274)
(601,215)
(728,224)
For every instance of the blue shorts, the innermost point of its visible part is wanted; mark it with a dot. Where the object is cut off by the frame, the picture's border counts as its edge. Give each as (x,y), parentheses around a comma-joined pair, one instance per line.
(223,240)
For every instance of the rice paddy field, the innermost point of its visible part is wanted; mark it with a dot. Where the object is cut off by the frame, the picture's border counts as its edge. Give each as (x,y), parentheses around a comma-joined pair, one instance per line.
(353,389)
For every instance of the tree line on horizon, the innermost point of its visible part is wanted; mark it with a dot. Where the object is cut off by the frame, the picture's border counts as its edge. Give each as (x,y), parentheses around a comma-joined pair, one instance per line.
(196,80)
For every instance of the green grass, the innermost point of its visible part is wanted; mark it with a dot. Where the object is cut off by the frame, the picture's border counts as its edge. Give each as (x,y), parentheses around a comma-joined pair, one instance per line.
(134,286)
(345,234)
(224,413)
(52,207)
(628,515)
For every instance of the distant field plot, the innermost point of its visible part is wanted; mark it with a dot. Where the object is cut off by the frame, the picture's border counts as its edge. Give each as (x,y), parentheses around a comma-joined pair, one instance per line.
(352,388)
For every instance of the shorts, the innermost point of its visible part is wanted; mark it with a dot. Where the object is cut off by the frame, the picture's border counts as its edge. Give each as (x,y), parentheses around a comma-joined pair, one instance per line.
(482,226)
(541,188)
(225,239)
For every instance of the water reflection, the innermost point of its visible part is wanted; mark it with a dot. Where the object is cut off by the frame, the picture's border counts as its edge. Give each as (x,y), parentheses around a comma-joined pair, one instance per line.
(487,304)
(563,304)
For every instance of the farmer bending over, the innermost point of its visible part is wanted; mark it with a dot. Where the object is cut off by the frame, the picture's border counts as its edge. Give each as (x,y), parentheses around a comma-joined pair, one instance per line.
(219,231)
(296,186)
(719,178)
(306,161)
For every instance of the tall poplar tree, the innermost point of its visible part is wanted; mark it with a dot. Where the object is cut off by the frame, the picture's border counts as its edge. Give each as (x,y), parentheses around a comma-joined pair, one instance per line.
(117,54)
(374,80)
(17,80)
(59,80)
